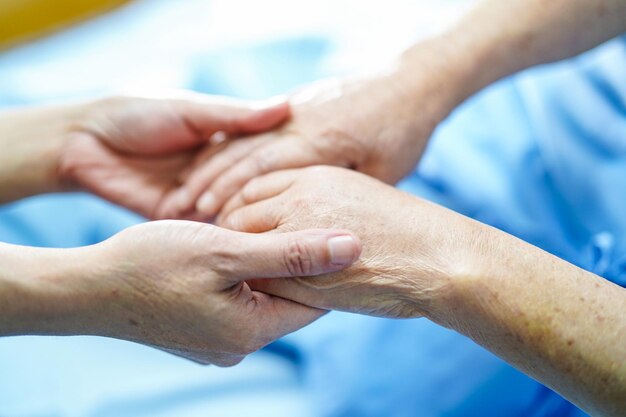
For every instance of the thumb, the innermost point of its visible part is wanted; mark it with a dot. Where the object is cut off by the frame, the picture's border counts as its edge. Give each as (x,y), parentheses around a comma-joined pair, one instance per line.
(238,117)
(295,254)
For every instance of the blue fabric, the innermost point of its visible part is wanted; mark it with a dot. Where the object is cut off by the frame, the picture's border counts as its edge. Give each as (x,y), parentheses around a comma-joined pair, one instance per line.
(540,155)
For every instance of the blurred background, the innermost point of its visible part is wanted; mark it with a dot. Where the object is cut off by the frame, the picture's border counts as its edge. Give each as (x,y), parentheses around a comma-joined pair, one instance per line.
(247,48)
(55,50)
(343,365)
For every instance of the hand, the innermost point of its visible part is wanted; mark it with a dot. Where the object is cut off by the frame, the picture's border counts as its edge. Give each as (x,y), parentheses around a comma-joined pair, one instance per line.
(180,286)
(411,248)
(134,151)
(378,126)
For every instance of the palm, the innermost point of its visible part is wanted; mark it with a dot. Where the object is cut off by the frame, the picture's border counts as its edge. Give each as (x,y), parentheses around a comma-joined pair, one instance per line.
(133,151)
(140,183)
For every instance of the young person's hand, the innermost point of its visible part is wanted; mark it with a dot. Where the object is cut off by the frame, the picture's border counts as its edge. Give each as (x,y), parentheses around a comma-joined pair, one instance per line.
(135,151)
(176,285)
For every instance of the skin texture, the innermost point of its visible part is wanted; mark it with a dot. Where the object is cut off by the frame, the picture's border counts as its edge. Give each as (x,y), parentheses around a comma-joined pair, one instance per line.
(498,39)
(178,286)
(558,323)
(380,124)
(364,123)
(130,150)
(381,282)
(175,285)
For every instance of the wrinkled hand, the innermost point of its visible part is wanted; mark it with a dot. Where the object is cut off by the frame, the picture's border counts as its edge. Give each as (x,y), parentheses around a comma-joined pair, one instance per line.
(410,247)
(134,151)
(371,125)
(180,286)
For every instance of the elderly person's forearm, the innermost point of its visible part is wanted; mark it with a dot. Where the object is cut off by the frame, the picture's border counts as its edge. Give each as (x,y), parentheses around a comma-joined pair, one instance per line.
(499,38)
(380,124)
(561,325)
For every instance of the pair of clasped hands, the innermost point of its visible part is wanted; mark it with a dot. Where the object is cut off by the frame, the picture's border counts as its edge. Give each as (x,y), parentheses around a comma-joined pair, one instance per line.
(264,223)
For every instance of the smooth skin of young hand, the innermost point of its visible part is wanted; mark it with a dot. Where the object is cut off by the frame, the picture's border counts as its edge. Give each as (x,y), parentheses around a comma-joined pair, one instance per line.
(175,285)
(561,325)
(380,124)
(130,150)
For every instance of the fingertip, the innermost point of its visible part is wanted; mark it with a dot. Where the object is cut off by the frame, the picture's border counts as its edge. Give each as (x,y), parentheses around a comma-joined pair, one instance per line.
(343,250)
(321,251)
(276,103)
(266,115)
(207,204)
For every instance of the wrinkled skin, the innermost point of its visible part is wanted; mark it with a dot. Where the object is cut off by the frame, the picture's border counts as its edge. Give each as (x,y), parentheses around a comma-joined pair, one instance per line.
(371,125)
(180,286)
(411,248)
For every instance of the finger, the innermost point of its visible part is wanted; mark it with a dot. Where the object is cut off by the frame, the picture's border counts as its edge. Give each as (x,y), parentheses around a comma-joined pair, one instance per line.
(209,115)
(295,290)
(282,255)
(260,217)
(258,189)
(138,184)
(286,153)
(217,161)
(281,316)
(208,165)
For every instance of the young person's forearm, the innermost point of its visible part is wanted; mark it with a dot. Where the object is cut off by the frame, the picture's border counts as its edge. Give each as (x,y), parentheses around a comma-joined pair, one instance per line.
(31,140)
(47,291)
(561,325)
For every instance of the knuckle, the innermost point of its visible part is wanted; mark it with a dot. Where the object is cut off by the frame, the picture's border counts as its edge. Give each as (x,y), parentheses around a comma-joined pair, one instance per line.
(298,258)
(344,146)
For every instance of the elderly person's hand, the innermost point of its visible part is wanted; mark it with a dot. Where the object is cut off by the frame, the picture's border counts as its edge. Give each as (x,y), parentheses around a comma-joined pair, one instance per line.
(407,257)
(175,285)
(560,324)
(134,151)
(378,125)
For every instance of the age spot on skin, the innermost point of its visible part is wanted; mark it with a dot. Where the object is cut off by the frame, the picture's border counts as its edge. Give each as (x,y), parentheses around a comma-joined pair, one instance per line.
(570,342)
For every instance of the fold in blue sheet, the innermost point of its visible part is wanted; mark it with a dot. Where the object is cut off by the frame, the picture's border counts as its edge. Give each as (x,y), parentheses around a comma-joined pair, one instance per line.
(541,155)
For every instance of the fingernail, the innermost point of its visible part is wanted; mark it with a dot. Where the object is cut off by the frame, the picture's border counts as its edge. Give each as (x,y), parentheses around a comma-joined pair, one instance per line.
(342,250)
(206,204)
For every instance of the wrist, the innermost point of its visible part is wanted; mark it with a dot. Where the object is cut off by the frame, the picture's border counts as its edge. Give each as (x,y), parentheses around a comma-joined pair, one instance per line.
(50,291)
(33,140)
(436,76)
(442,265)
(480,250)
